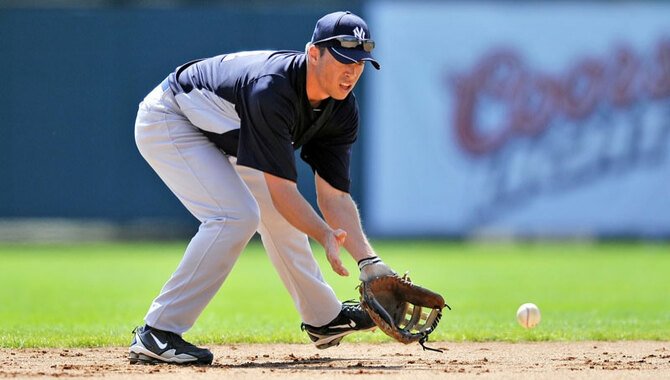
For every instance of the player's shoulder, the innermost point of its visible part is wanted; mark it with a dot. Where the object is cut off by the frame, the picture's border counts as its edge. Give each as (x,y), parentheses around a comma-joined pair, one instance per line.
(284,68)
(263,60)
(280,74)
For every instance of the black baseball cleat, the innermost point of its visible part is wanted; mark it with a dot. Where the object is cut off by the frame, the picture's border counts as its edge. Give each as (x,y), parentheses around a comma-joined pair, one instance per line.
(151,345)
(352,318)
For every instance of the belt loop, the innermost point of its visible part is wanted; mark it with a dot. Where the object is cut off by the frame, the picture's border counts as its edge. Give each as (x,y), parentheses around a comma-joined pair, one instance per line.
(165,85)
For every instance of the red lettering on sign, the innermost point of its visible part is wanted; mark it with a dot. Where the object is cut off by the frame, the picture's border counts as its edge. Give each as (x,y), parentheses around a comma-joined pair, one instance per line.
(524,102)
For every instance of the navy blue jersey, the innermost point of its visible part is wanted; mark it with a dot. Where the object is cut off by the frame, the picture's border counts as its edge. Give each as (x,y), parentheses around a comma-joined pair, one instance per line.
(254,105)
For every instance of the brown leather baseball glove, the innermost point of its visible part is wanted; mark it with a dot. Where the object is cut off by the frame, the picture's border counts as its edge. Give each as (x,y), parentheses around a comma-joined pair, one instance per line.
(404,311)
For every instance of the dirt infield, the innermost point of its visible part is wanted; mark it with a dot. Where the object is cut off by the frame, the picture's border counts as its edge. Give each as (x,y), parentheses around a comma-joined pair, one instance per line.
(362,361)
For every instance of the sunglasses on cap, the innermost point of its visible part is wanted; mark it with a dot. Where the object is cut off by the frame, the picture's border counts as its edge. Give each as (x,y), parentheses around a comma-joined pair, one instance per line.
(349,42)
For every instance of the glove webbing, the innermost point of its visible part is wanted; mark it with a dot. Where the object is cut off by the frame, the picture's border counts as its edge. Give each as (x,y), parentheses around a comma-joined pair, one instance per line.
(424,339)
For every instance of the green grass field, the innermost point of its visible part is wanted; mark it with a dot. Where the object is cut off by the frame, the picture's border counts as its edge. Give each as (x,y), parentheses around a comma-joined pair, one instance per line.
(94,294)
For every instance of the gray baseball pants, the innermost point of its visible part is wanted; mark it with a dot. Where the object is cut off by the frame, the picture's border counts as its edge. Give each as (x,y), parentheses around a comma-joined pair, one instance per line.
(232,203)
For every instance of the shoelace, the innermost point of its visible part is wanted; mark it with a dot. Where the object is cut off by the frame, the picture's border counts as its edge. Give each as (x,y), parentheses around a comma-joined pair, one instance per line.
(175,339)
(351,305)
(178,341)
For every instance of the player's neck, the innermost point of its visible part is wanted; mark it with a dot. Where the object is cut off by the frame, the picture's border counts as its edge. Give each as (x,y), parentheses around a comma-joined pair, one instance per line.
(315,94)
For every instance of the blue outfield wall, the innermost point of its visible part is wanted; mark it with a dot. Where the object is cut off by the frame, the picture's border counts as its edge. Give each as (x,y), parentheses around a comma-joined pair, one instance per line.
(71,83)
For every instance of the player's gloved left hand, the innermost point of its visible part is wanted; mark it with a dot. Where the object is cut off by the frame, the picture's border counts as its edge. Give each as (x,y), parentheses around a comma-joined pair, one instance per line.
(373,267)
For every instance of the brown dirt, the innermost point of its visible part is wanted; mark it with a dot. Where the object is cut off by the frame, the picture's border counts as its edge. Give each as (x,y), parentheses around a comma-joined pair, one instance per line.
(601,360)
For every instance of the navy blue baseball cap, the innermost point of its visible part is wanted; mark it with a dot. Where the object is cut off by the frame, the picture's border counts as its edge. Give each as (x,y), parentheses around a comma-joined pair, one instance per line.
(346,36)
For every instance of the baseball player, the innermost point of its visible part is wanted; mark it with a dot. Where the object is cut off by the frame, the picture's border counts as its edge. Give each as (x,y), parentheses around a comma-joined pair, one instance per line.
(221,133)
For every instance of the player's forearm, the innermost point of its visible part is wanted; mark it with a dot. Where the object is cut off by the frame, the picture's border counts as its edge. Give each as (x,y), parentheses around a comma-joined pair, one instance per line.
(295,209)
(340,211)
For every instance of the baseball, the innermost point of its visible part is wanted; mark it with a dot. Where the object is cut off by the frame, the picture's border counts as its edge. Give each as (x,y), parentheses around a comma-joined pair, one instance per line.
(528,315)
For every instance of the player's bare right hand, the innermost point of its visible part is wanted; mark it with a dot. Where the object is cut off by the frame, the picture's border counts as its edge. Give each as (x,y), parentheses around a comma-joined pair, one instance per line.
(332,243)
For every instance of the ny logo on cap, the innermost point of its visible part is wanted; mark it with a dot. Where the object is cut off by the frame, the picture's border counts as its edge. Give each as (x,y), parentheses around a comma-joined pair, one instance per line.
(359,33)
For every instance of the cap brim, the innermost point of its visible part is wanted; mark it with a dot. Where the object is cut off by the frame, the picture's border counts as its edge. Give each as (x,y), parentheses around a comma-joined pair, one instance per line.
(352,56)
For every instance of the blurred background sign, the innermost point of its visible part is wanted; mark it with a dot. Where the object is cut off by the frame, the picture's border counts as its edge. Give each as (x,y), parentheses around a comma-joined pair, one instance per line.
(519,119)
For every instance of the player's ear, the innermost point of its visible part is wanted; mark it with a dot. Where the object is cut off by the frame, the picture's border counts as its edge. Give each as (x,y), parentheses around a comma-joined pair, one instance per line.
(313,53)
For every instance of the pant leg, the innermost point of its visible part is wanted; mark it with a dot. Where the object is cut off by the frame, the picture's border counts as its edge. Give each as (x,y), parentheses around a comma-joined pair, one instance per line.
(291,255)
(206,183)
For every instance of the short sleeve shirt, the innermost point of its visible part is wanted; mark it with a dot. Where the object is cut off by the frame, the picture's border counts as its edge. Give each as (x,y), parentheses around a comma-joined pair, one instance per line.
(264,94)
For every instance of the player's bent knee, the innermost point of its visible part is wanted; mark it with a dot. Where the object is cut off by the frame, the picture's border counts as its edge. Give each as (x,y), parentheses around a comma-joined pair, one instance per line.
(244,220)
(251,217)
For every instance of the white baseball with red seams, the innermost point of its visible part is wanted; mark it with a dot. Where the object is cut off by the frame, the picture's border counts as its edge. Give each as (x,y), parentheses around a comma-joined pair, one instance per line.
(528,315)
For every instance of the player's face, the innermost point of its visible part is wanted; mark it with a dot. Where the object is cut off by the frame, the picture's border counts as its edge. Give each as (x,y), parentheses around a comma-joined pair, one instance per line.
(337,79)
